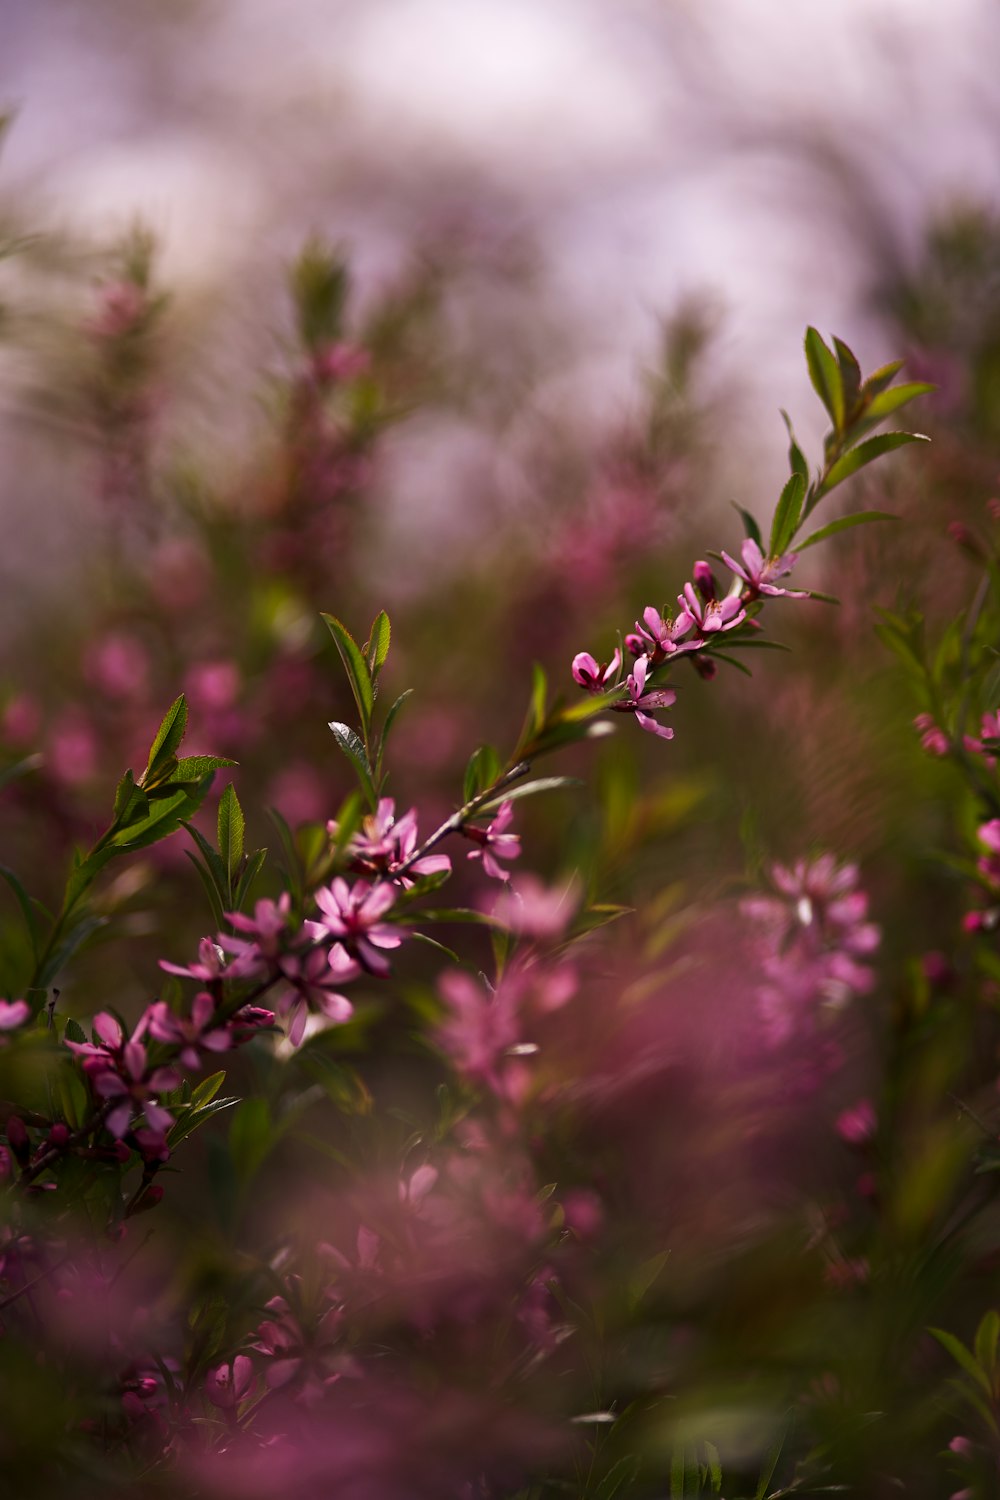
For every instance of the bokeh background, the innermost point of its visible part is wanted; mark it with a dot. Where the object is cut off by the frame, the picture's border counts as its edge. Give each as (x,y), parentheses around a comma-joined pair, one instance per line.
(484,313)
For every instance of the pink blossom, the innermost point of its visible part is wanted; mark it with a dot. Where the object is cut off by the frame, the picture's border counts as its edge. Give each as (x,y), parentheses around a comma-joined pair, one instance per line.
(595,676)
(212,968)
(267,929)
(481,1027)
(226,1385)
(857,1124)
(385,843)
(310,979)
(759,572)
(13,1013)
(190,1033)
(933,738)
(533,909)
(353,914)
(709,616)
(638,700)
(659,636)
(494,842)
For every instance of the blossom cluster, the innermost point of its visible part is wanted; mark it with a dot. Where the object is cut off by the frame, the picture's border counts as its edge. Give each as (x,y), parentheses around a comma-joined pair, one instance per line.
(704,617)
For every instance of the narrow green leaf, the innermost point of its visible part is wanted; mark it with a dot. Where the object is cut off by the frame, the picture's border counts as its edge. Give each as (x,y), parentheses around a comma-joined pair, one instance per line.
(796,458)
(881,379)
(539,696)
(353,747)
(866,452)
(481,772)
(750,527)
(824,372)
(714,1465)
(963,1357)
(787,514)
(20,768)
(73,939)
(390,717)
(251,1136)
(529,789)
(27,910)
(889,401)
(192,1118)
(379,637)
(731,661)
(253,867)
(168,739)
(208,1088)
(987,1335)
(844,523)
(231,828)
(770,1464)
(216,902)
(850,375)
(356,668)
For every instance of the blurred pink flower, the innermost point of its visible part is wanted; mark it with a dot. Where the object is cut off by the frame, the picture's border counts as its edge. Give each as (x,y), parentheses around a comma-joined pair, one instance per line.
(494,842)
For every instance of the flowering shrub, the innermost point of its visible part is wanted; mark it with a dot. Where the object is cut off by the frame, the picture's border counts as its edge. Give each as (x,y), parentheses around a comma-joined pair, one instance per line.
(403,1168)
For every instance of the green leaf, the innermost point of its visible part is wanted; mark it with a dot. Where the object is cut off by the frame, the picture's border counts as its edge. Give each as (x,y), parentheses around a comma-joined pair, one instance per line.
(390,717)
(356,668)
(770,1464)
(353,747)
(481,772)
(643,1278)
(231,827)
(529,789)
(987,1335)
(539,695)
(168,738)
(787,515)
(73,938)
(796,458)
(714,1465)
(750,526)
(188,1122)
(866,452)
(379,637)
(731,661)
(20,768)
(824,372)
(27,910)
(253,867)
(194,767)
(850,375)
(208,1088)
(889,401)
(216,902)
(881,379)
(844,523)
(251,1136)
(963,1357)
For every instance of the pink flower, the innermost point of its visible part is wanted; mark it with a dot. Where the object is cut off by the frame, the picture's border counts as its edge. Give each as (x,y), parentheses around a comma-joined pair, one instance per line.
(353,914)
(857,1124)
(639,699)
(211,967)
(482,1025)
(532,909)
(709,616)
(226,1385)
(759,572)
(659,636)
(310,979)
(494,842)
(190,1032)
(933,738)
(594,676)
(13,1013)
(386,842)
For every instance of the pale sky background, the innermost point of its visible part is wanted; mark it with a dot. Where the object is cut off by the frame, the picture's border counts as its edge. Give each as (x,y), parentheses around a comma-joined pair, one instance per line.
(649,147)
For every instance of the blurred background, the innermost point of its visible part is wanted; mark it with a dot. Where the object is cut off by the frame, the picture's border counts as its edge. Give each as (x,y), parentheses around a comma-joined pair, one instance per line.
(484,313)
